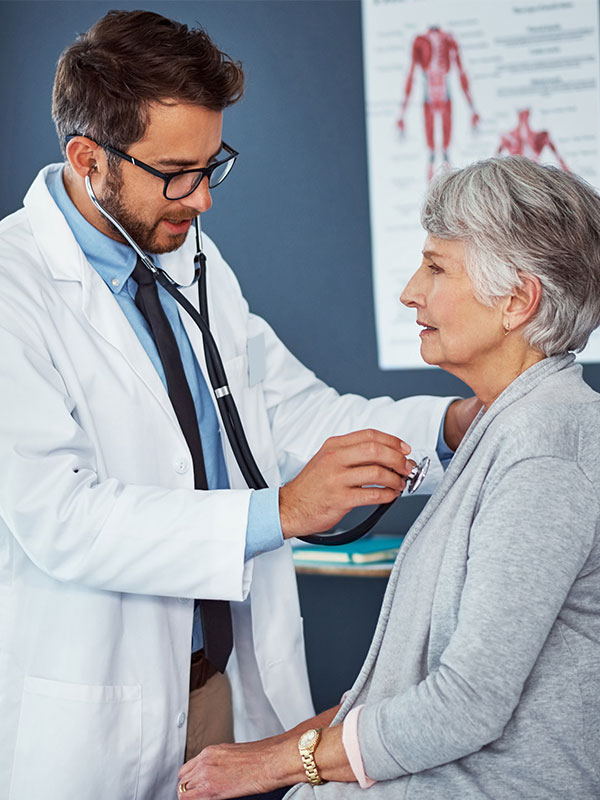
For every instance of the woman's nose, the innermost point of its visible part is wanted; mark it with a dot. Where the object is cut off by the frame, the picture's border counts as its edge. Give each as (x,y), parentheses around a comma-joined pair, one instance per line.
(410,295)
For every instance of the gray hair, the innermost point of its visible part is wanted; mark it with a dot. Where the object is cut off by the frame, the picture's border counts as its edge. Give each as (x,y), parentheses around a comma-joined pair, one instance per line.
(517,217)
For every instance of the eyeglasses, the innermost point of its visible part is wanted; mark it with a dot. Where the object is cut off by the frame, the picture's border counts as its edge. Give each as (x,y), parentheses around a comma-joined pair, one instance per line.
(178,185)
(181,184)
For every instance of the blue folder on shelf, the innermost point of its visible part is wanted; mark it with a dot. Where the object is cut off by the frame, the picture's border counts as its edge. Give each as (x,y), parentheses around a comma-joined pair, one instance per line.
(372,550)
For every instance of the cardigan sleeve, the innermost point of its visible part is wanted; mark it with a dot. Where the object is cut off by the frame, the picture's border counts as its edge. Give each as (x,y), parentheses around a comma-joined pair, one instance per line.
(532,535)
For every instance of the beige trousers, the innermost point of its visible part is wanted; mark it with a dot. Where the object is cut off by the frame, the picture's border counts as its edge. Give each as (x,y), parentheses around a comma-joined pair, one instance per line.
(210,715)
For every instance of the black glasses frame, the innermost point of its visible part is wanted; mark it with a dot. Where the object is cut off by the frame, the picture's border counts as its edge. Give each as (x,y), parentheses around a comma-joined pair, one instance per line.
(167,177)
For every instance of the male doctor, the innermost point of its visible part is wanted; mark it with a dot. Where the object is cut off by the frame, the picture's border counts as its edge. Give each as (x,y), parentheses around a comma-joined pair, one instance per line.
(117,508)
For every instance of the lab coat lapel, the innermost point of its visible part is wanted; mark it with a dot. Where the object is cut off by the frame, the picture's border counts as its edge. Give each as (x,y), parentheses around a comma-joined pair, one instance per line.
(67,263)
(104,315)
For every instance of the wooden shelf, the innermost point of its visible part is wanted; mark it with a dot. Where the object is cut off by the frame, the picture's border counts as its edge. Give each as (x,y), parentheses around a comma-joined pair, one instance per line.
(375,570)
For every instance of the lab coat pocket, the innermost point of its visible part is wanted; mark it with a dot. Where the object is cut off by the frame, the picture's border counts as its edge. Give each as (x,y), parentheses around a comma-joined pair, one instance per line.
(73,736)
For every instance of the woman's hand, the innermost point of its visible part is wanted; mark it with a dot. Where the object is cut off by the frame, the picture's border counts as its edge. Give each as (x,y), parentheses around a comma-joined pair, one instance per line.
(223,771)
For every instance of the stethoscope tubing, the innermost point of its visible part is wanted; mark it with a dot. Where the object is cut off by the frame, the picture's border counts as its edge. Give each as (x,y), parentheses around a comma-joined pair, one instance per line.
(224,399)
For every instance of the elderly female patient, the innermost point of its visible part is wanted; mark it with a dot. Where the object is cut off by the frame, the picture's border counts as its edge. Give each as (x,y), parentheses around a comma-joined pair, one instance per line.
(483,678)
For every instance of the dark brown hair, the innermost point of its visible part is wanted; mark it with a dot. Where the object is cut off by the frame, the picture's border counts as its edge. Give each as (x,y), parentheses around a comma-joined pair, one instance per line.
(106,80)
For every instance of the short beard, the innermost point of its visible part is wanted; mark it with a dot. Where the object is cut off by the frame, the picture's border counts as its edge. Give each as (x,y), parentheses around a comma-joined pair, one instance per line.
(143,234)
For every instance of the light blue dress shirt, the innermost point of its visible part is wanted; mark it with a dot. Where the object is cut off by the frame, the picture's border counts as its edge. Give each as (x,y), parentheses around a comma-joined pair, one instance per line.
(443,451)
(114,262)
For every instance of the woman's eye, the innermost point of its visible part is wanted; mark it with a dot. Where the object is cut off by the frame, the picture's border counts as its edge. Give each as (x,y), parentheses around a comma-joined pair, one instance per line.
(434,269)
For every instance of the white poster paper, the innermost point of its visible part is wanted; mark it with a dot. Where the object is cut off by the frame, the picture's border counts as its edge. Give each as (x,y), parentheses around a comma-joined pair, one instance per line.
(450,83)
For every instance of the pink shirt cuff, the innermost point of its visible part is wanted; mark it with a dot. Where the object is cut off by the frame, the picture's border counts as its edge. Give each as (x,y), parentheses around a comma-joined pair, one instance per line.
(352,748)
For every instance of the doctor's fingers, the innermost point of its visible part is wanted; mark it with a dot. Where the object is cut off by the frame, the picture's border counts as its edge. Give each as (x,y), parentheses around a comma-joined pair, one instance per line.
(365,453)
(375,475)
(370,496)
(369,436)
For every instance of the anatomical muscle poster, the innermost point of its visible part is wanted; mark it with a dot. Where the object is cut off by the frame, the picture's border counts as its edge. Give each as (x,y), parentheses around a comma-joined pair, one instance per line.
(450,83)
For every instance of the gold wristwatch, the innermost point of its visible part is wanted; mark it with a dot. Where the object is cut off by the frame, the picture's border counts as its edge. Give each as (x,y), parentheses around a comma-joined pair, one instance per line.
(307,744)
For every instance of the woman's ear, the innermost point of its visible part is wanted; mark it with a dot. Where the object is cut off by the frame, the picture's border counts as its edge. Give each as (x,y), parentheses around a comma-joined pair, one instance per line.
(83,155)
(521,305)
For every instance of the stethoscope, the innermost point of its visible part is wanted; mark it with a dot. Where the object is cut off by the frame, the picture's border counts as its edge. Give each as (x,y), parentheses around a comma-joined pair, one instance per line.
(218,379)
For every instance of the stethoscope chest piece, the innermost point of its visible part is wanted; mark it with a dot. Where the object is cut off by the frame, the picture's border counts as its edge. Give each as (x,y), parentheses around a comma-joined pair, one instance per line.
(417,475)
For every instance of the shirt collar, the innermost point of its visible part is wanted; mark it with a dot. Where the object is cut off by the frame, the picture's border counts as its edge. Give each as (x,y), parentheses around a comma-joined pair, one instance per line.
(112,260)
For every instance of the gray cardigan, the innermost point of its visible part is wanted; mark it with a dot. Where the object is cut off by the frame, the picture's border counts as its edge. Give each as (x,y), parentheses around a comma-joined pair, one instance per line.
(483,678)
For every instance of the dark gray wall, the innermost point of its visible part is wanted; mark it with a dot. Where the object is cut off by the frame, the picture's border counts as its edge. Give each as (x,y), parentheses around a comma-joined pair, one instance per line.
(292,219)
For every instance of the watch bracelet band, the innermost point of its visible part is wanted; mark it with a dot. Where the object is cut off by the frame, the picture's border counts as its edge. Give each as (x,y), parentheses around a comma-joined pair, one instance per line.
(308,762)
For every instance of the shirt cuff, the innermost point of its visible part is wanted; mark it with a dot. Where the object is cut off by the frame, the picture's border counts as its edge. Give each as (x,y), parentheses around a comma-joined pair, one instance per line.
(352,748)
(263,532)
(444,453)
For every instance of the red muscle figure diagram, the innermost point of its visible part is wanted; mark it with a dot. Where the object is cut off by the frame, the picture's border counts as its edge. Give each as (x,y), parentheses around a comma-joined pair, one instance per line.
(436,52)
(522,141)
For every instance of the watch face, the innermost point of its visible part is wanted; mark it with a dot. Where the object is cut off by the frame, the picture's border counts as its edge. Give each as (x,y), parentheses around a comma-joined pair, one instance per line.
(307,738)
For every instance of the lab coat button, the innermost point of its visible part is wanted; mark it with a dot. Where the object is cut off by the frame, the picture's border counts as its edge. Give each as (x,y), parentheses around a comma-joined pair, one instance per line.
(181,465)
(181,719)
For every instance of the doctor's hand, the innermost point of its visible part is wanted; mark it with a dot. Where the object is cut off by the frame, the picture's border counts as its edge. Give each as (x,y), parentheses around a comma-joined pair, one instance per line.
(364,468)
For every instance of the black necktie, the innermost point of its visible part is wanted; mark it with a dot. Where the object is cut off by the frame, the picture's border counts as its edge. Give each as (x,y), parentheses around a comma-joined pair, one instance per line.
(216,614)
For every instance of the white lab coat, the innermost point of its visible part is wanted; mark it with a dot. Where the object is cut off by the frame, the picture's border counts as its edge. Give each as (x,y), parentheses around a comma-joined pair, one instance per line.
(103,541)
